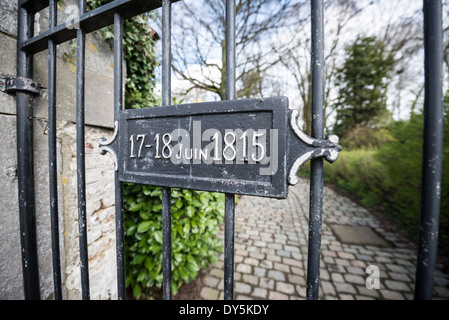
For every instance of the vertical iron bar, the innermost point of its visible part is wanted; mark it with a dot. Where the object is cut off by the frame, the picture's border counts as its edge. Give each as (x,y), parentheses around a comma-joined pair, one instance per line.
(118,105)
(166,243)
(229,198)
(25,171)
(53,176)
(229,246)
(166,192)
(316,174)
(432,150)
(81,158)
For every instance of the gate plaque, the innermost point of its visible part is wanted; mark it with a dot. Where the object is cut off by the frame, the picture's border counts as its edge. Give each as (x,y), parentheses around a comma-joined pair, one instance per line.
(251,146)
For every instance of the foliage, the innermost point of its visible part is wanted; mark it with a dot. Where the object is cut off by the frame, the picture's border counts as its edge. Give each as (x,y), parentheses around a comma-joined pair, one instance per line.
(195,215)
(362,83)
(358,172)
(251,84)
(195,219)
(402,159)
(139,55)
(365,138)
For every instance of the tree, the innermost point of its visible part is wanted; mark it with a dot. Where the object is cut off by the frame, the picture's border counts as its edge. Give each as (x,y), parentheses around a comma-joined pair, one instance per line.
(199,57)
(363,82)
(295,57)
(397,23)
(251,84)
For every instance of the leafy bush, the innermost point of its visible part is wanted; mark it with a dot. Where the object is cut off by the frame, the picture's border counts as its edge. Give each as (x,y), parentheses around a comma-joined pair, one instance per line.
(364,137)
(139,55)
(358,172)
(196,217)
(402,159)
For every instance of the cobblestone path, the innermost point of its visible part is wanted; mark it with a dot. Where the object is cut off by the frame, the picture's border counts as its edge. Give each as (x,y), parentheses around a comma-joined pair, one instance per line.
(271,252)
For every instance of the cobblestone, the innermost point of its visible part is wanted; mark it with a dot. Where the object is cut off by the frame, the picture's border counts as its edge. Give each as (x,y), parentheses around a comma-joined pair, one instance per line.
(271,239)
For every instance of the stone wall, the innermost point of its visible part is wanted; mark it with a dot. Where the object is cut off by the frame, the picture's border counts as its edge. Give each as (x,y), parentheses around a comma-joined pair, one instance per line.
(99,169)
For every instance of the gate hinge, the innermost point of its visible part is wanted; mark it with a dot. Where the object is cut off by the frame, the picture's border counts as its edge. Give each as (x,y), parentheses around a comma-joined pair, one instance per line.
(11,84)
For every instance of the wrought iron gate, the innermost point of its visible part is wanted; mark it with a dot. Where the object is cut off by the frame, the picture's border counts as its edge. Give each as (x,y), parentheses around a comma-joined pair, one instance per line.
(114,13)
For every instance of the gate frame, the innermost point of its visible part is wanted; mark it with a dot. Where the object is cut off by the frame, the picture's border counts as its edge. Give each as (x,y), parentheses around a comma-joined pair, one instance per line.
(114,13)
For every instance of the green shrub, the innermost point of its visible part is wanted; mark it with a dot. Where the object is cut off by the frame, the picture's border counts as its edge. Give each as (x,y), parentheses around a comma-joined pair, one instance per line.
(402,159)
(196,217)
(358,172)
(365,138)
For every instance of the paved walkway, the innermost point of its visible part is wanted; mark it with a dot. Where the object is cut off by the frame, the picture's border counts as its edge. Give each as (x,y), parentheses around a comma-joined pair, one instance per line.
(271,252)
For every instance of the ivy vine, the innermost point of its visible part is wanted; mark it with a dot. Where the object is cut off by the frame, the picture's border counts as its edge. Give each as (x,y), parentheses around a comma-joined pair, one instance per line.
(139,55)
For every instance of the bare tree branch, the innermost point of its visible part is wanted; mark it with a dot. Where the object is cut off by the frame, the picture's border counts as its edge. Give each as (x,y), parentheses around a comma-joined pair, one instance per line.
(199,39)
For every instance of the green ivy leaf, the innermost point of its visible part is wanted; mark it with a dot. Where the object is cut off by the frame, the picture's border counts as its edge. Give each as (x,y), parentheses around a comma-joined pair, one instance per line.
(158,236)
(138,259)
(144,226)
(135,207)
(137,291)
(192,263)
(186,228)
(189,211)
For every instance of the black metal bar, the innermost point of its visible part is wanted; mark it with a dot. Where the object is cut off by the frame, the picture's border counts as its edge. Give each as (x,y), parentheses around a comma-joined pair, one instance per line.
(229,198)
(166,192)
(166,243)
(229,246)
(80,156)
(33,6)
(27,214)
(118,105)
(52,156)
(316,174)
(90,21)
(432,150)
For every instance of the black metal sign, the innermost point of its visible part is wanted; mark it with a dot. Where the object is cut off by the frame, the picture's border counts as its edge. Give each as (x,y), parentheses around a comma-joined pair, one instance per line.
(252,146)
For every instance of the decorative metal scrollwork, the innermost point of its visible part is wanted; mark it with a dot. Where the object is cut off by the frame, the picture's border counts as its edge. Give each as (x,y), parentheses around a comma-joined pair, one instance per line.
(327,148)
(105,145)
